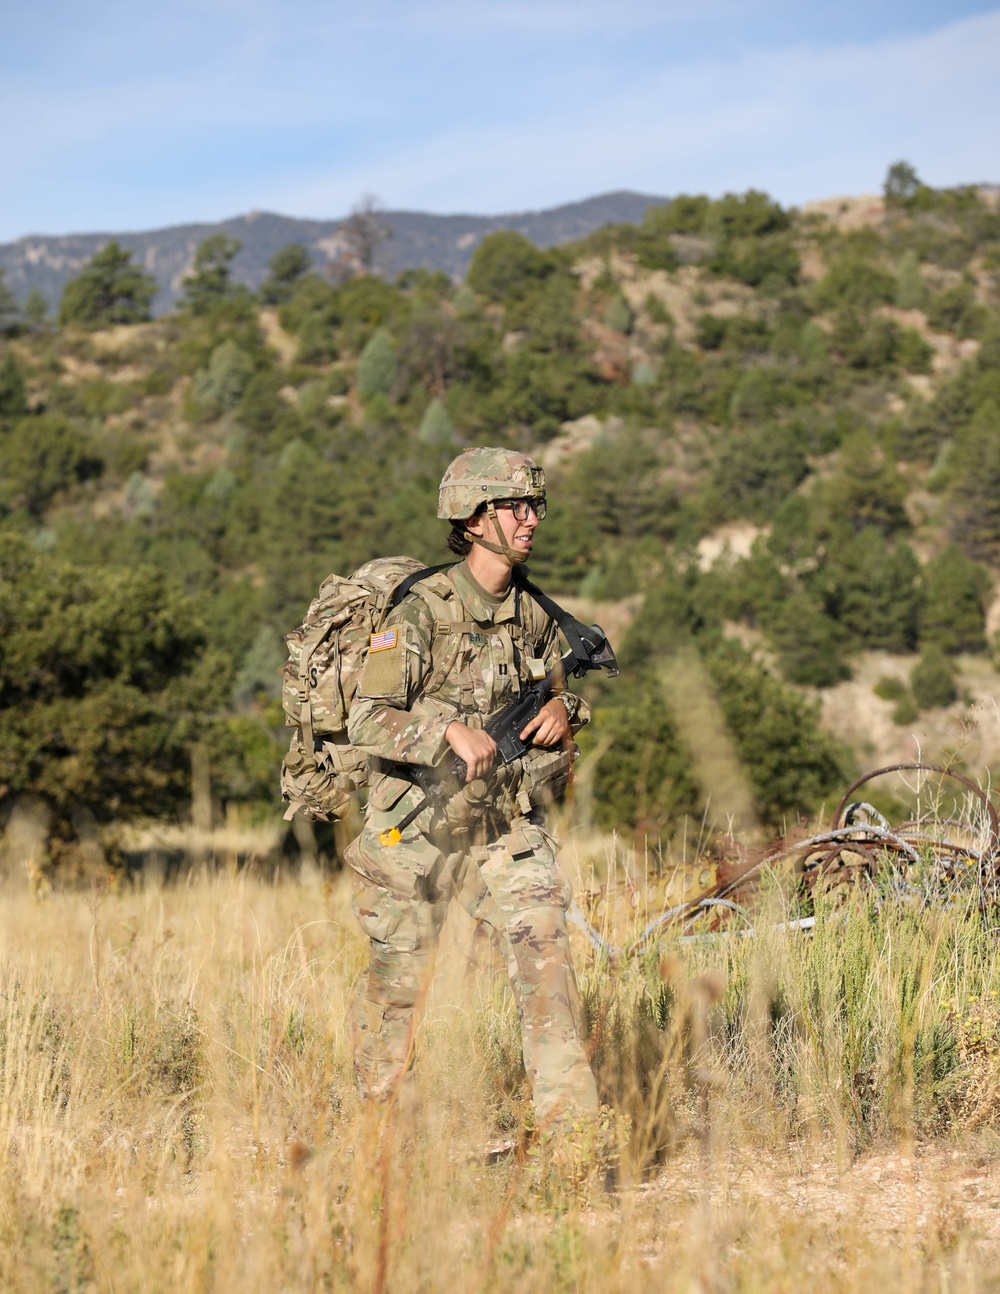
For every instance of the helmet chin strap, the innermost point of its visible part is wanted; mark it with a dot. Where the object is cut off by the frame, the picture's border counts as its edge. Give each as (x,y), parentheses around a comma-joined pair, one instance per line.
(503,549)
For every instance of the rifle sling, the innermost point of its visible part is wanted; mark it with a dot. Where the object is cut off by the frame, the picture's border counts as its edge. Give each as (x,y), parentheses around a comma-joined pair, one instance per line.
(568,624)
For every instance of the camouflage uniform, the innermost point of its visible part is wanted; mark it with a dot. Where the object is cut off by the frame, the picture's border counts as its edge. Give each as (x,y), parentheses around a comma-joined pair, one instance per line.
(454,652)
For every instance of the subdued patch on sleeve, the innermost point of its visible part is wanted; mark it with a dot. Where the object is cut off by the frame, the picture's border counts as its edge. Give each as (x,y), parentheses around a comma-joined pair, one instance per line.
(384,673)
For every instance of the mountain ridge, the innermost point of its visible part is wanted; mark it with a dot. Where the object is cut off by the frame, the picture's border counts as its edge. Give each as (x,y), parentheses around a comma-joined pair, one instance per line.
(417,240)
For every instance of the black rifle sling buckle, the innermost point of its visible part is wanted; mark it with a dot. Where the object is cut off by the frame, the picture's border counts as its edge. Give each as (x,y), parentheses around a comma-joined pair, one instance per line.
(588,644)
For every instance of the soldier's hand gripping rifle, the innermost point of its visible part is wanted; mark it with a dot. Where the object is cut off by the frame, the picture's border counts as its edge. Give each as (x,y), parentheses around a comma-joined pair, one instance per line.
(588,649)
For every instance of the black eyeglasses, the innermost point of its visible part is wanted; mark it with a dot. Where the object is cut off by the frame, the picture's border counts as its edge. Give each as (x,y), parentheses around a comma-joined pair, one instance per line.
(521,507)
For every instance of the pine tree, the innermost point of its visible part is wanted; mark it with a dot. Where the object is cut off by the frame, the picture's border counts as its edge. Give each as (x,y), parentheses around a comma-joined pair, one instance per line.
(286,267)
(956,590)
(436,426)
(109,290)
(911,290)
(931,679)
(10,314)
(36,311)
(377,366)
(867,490)
(876,591)
(790,761)
(210,283)
(974,503)
(13,399)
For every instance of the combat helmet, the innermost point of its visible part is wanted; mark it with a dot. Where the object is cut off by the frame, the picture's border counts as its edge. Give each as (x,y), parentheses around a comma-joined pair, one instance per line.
(485,475)
(478,475)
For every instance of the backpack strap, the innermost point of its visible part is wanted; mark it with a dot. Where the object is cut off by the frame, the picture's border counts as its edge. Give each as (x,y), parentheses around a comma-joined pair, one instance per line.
(569,625)
(443,627)
(404,585)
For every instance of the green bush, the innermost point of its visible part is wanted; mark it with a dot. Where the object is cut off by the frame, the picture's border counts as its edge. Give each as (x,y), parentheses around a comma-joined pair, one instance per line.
(42,456)
(377,366)
(902,184)
(932,680)
(911,289)
(13,396)
(317,342)
(890,688)
(809,642)
(913,353)
(35,312)
(436,426)
(619,315)
(791,763)
(710,333)
(226,378)
(10,313)
(312,298)
(905,710)
(745,215)
(643,781)
(312,401)
(856,283)
(685,214)
(771,263)
(866,342)
(974,497)
(104,678)
(261,408)
(285,269)
(756,395)
(209,287)
(814,347)
(109,290)
(956,310)
(506,265)
(866,489)
(956,593)
(757,468)
(873,589)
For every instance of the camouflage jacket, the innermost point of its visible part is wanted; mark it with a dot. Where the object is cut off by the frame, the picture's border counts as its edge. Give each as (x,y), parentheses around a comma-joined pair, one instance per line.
(450,651)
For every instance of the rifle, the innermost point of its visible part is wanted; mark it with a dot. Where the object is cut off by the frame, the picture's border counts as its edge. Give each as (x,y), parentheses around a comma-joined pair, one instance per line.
(588,649)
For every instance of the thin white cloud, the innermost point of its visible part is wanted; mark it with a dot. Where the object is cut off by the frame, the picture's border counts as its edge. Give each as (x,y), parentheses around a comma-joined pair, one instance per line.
(561,16)
(477,107)
(802,121)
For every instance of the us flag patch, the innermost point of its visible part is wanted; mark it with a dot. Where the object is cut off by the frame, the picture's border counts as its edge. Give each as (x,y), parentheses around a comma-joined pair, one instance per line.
(379,642)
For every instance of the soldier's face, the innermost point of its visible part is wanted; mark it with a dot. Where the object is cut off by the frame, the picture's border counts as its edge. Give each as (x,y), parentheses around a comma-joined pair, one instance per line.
(519,534)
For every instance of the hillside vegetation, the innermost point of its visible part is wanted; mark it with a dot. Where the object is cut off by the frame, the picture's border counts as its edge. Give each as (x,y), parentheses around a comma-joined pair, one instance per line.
(772,440)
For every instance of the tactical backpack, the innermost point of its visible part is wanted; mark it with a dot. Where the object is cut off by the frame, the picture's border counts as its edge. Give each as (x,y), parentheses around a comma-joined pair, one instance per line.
(325,657)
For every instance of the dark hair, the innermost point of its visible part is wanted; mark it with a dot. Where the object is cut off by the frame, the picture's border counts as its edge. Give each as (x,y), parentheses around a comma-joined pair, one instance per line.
(457,541)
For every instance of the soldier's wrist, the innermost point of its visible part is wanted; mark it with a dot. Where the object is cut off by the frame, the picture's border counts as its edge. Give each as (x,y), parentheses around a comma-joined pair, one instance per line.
(571,702)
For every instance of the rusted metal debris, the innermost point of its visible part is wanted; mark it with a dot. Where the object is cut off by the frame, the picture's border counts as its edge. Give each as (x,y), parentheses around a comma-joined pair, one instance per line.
(931,854)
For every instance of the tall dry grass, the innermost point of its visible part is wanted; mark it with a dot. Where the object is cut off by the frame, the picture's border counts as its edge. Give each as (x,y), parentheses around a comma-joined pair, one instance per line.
(177,1109)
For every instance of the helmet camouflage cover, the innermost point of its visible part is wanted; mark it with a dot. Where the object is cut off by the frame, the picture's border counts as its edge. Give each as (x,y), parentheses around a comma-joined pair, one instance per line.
(478,475)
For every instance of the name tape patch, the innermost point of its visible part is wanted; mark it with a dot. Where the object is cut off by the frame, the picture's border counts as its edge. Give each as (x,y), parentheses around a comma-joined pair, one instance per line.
(383,640)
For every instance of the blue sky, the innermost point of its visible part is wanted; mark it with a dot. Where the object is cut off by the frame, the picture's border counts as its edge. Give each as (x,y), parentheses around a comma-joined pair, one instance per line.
(125,116)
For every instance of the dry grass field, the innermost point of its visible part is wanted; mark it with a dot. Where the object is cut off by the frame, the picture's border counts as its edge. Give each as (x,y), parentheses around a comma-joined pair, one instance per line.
(177,1110)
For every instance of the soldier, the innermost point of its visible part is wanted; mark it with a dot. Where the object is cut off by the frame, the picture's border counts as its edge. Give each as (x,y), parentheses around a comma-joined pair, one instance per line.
(452,654)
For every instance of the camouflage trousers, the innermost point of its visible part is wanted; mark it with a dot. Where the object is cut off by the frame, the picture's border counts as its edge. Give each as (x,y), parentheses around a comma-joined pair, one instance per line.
(512,885)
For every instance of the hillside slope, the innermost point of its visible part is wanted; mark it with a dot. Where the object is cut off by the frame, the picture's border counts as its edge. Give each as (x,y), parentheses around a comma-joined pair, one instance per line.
(773,448)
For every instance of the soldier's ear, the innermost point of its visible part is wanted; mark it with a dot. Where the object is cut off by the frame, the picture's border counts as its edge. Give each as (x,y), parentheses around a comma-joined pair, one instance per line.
(475,523)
